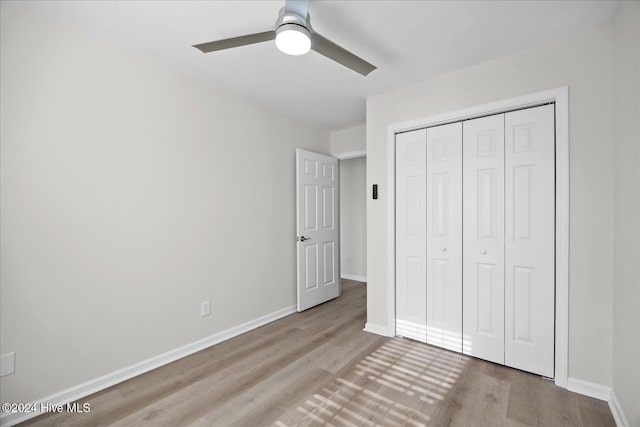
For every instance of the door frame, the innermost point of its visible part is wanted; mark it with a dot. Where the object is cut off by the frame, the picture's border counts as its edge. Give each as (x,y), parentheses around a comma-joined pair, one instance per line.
(358,154)
(560,96)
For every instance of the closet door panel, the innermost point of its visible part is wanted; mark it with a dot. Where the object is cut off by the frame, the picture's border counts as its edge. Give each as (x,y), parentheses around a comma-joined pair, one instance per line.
(411,300)
(483,238)
(530,239)
(444,236)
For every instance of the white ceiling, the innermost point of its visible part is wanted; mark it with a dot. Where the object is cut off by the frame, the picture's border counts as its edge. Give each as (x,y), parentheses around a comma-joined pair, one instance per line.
(409,41)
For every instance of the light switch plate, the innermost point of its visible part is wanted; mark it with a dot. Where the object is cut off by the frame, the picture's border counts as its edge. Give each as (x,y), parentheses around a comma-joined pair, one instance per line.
(7,364)
(205,308)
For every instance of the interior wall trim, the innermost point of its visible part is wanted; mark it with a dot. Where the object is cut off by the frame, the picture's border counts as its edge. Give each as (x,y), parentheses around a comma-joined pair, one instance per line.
(559,96)
(378,329)
(616,409)
(587,388)
(97,384)
(355,277)
(600,392)
(351,155)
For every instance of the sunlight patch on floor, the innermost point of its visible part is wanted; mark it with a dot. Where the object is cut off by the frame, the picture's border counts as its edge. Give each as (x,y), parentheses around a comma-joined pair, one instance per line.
(396,384)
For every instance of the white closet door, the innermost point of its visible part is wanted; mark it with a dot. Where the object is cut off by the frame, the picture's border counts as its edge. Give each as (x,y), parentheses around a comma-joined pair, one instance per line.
(529,239)
(444,236)
(411,299)
(483,238)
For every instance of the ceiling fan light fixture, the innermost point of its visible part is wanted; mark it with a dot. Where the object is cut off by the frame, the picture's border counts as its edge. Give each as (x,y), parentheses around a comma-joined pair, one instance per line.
(293,39)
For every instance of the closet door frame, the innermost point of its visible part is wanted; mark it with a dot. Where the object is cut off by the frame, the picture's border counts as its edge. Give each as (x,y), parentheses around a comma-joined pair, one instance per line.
(559,96)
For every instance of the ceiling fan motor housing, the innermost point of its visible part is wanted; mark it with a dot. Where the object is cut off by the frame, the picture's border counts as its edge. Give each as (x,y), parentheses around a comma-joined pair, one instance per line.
(292,33)
(285,18)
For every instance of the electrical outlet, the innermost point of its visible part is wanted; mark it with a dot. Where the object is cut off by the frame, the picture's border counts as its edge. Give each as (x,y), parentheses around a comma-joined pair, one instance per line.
(205,308)
(7,364)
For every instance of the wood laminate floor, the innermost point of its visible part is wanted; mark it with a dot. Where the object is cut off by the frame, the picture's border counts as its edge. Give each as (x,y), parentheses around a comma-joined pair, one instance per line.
(319,368)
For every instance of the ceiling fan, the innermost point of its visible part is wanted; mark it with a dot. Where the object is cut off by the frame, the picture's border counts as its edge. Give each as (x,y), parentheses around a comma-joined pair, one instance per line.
(294,36)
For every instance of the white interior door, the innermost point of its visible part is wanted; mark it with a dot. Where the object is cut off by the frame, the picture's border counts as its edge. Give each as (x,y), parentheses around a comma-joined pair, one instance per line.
(483,238)
(318,230)
(444,236)
(411,299)
(529,239)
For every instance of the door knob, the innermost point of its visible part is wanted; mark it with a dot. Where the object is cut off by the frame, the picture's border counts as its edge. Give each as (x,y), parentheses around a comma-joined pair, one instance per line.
(302,238)
(483,252)
(443,249)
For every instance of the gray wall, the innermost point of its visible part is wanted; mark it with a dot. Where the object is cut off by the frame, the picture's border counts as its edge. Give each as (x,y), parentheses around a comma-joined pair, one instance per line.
(348,140)
(626,238)
(129,194)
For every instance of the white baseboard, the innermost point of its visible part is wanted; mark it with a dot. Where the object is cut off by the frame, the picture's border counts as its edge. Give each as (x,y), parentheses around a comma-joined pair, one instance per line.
(601,392)
(354,277)
(618,413)
(377,329)
(597,391)
(92,386)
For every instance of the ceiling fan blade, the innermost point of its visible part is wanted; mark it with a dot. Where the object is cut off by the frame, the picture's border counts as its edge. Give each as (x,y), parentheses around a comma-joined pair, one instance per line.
(298,7)
(236,41)
(342,56)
